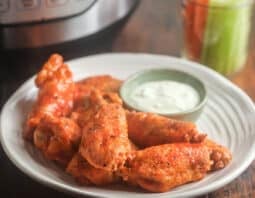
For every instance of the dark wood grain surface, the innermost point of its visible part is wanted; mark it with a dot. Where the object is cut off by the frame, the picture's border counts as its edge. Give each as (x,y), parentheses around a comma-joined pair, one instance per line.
(154,27)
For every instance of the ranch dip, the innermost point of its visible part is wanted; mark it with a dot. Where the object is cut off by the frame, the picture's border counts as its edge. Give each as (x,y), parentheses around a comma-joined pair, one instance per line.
(164,97)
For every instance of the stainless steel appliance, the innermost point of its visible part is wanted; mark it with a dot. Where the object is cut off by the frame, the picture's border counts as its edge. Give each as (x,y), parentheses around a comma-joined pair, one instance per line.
(36,23)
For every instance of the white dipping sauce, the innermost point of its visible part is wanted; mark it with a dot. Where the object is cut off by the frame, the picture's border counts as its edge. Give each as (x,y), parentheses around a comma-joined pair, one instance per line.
(164,97)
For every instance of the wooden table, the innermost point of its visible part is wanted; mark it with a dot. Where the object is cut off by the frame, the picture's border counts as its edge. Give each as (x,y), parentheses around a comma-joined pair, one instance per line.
(154,27)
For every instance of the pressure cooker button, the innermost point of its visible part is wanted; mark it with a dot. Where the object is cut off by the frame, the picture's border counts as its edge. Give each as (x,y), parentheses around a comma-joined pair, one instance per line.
(54,3)
(27,4)
(4,5)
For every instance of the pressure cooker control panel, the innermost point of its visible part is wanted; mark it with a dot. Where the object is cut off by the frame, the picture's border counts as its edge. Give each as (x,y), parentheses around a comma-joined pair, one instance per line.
(24,11)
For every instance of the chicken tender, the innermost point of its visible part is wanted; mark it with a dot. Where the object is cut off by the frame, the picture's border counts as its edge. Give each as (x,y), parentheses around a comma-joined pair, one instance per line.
(56,92)
(58,138)
(161,168)
(147,129)
(105,142)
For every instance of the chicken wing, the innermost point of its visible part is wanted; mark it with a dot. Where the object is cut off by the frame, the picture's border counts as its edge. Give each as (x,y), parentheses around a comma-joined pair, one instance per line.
(55,97)
(161,168)
(104,83)
(49,70)
(220,155)
(86,174)
(83,113)
(58,138)
(147,129)
(105,142)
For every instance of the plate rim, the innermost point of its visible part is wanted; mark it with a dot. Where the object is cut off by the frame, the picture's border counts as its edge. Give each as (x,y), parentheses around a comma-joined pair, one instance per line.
(69,189)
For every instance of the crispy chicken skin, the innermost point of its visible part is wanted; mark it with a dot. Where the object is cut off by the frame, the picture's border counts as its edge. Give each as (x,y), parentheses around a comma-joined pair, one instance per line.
(51,137)
(104,83)
(55,97)
(86,174)
(58,138)
(84,112)
(161,168)
(147,129)
(49,70)
(105,142)
(220,155)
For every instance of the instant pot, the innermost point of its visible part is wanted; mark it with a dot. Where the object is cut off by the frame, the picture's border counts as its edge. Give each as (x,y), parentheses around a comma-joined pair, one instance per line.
(37,23)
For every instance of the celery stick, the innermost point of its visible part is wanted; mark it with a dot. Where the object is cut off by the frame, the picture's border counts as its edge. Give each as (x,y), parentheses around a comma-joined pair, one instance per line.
(226,35)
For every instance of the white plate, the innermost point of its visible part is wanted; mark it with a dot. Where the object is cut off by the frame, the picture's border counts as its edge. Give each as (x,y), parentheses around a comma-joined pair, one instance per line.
(227,118)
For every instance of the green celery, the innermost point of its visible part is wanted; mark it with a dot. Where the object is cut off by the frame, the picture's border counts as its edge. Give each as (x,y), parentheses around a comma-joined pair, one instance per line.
(226,35)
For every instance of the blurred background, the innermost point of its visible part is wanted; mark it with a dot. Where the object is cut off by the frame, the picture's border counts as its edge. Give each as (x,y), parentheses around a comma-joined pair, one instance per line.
(145,26)
(149,27)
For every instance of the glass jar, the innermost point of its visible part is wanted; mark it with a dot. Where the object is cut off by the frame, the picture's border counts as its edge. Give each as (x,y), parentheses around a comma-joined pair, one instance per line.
(216,33)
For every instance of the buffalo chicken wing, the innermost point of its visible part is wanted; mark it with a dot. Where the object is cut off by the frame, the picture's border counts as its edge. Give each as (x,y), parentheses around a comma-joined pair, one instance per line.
(86,174)
(55,97)
(105,142)
(161,168)
(58,138)
(104,83)
(147,129)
